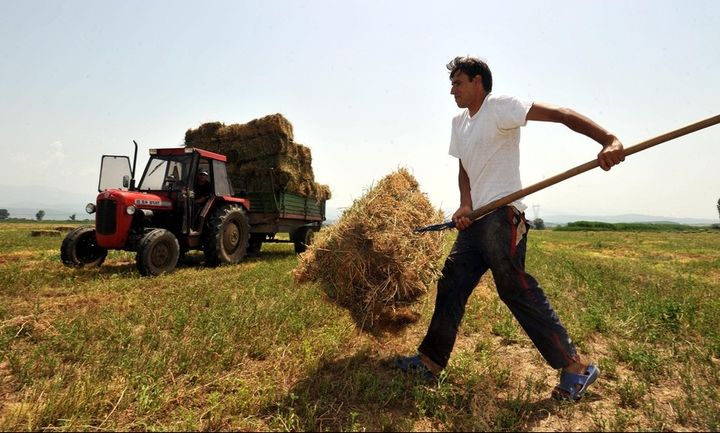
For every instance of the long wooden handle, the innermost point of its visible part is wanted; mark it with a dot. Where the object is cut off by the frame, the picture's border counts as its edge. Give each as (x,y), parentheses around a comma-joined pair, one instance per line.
(477,213)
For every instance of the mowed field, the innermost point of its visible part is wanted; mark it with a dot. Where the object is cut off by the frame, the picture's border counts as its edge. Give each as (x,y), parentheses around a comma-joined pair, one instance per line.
(245,348)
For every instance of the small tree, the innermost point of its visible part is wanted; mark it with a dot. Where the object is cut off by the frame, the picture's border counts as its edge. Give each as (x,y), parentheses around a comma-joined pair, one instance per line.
(72,217)
(718,206)
(40,215)
(539,224)
(4,214)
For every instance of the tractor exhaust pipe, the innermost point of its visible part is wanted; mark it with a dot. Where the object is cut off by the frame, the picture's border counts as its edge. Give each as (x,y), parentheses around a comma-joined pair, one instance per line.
(132,173)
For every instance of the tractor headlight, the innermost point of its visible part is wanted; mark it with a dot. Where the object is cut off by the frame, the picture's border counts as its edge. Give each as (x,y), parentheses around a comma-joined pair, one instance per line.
(90,208)
(131,210)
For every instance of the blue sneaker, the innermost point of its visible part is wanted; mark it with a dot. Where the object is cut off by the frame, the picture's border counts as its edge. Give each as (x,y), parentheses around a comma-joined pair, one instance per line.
(413,365)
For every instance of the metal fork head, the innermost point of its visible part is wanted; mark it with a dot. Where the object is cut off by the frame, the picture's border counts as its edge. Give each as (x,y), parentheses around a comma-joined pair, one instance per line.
(436,227)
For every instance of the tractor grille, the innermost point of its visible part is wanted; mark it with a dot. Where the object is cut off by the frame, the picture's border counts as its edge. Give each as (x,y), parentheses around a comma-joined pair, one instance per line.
(106,218)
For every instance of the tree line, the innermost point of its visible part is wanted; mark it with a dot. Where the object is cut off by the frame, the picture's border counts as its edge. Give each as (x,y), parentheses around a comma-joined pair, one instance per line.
(5,214)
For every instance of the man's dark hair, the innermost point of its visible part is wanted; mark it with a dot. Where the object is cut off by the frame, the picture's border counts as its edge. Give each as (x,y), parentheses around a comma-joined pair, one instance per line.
(472,67)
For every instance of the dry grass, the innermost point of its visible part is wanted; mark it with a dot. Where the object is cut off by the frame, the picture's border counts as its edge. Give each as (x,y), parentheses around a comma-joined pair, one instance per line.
(244,348)
(370,261)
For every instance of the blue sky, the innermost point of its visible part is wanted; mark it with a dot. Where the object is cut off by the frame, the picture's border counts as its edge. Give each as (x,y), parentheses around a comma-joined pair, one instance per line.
(365,86)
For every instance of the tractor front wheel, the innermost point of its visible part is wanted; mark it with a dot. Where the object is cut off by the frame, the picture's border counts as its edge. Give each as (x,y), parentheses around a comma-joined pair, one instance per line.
(158,253)
(228,236)
(80,249)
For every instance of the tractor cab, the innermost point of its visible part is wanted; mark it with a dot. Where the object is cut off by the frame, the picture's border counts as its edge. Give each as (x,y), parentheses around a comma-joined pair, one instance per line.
(191,179)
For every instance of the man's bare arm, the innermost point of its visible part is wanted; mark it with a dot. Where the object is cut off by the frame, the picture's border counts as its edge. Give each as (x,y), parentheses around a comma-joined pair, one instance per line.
(461,215)
(612,152)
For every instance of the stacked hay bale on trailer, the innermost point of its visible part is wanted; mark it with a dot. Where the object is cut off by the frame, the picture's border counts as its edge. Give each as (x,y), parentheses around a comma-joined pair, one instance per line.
(274,172)
(258,147)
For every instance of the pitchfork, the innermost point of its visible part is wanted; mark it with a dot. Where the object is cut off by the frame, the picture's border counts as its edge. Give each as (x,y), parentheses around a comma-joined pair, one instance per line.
(477,213)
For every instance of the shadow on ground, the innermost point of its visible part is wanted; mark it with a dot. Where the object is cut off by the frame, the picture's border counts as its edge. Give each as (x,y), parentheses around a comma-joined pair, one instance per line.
(360,391)
(365,391)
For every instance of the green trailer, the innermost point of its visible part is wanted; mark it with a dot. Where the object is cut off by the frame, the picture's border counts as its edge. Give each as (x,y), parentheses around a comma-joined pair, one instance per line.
(283,212)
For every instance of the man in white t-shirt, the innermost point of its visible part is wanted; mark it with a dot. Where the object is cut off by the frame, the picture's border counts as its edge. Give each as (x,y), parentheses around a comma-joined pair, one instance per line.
(485,139)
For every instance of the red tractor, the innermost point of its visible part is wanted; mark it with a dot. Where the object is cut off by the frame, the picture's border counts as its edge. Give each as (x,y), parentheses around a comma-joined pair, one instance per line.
(184,201)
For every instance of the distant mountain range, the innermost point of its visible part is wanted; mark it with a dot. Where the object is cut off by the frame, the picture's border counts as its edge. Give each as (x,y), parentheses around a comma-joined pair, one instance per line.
(625,218)
(563,219)
(26,201)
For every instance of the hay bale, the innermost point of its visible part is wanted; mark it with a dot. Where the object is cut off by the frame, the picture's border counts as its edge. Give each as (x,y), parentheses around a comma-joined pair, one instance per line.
(370,262)
(204,137)
(271,125)
(256,147)
(37,233)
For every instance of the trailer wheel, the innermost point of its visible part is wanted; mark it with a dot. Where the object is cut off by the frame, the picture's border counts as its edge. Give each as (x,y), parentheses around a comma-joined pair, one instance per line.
(303,238)
(80,249)
(228,236)
(158,253)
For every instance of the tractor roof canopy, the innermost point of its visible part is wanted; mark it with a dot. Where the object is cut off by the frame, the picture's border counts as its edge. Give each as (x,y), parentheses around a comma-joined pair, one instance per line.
(186,150)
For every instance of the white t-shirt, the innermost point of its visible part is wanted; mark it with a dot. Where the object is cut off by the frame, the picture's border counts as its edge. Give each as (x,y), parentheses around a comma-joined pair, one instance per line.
(488,145)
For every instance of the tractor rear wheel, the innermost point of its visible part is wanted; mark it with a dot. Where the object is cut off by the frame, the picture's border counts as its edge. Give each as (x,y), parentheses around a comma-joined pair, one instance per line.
(158,253)
(228,236)
(303,238)
(80,249)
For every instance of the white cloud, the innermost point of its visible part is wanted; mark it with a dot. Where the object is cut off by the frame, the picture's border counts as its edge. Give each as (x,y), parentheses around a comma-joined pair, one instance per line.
(18,159)
(54,157)
(57,150)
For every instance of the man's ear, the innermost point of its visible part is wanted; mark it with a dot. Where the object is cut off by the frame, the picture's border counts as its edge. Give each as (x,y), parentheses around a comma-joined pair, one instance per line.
(477,81)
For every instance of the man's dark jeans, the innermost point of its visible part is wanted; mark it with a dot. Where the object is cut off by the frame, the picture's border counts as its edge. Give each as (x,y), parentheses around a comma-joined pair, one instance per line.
(496,242)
